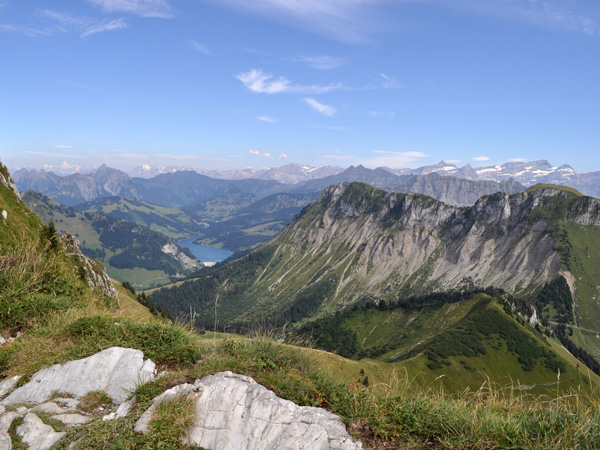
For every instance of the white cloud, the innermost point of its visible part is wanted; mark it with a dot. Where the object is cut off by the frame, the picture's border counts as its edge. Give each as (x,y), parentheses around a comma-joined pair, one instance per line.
(59,145)
(27,31)
(116,24)
(326,110)
(387,82)
(258,81)
(64,166)
(55,155)
(261,154)
(65,22)
(393,159)
(265,83)
(283,157)
(321,62)
(557,14)
(199,47)
(145,8)
(382,114)
(481,158)
(267,119)
(517,160)
(346,20)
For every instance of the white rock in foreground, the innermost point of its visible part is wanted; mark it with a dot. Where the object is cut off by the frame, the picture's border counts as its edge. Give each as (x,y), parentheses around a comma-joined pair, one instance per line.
(233,412)
(37,434)
(116,371)
(5,423)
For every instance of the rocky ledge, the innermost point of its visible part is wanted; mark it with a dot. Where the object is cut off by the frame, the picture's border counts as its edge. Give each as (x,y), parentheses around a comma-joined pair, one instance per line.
(231,411)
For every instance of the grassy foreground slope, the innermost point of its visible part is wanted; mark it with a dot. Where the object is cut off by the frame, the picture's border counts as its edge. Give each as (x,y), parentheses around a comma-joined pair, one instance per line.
(64,319)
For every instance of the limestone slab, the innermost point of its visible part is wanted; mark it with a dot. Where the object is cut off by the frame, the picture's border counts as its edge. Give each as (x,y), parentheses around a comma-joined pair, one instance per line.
(72,419)
(5,423)
(234,412)
(37,434)
(8,384)
(116,371)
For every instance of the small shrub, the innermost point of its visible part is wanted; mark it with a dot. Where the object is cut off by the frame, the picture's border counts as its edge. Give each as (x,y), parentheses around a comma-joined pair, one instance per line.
(93,400)
(164,343)
(171,422)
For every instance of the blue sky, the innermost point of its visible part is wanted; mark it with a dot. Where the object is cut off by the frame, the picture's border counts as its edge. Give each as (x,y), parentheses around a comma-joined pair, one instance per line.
(235,83)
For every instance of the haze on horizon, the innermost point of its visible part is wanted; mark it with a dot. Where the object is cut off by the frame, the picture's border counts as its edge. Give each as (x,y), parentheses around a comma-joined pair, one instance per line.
(227,84)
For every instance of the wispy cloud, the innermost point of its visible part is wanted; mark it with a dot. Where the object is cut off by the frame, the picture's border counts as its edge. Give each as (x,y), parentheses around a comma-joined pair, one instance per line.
(116,24)
(387,114)
(350,20)
(267,119)
(283,157)
(322,62)
(65,22)
(59,145)
(481,158)
(326,110)
(199,47)
(253,50)
(393,159)
(265,83)
(48,154)
(26,31)
(261,154)
(565,15)
(144,8)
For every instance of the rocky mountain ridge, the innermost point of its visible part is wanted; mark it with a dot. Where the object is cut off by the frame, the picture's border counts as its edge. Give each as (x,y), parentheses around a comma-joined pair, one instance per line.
(360,242)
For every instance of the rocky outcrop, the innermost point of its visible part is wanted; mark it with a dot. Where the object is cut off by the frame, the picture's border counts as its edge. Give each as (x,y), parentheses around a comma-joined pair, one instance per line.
(7,181)
(92,271)
(233,412)
(186,262)
(116,371)
(417,242)
(36,434)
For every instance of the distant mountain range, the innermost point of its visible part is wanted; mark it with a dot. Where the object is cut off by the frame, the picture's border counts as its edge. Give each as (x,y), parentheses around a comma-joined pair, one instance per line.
(288,173)
(526,173)
(185,188)
(190,186)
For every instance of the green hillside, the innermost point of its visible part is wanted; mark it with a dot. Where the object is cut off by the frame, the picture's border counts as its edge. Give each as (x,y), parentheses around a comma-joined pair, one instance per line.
(175,223)
(235,221)
(463,342)
(129,252)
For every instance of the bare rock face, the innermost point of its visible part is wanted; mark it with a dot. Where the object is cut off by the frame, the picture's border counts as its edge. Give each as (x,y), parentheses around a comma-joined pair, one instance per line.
(6,181)
(94,272)
(186,262)
(5,423)
(116,371)
(37,434)
(233,412)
